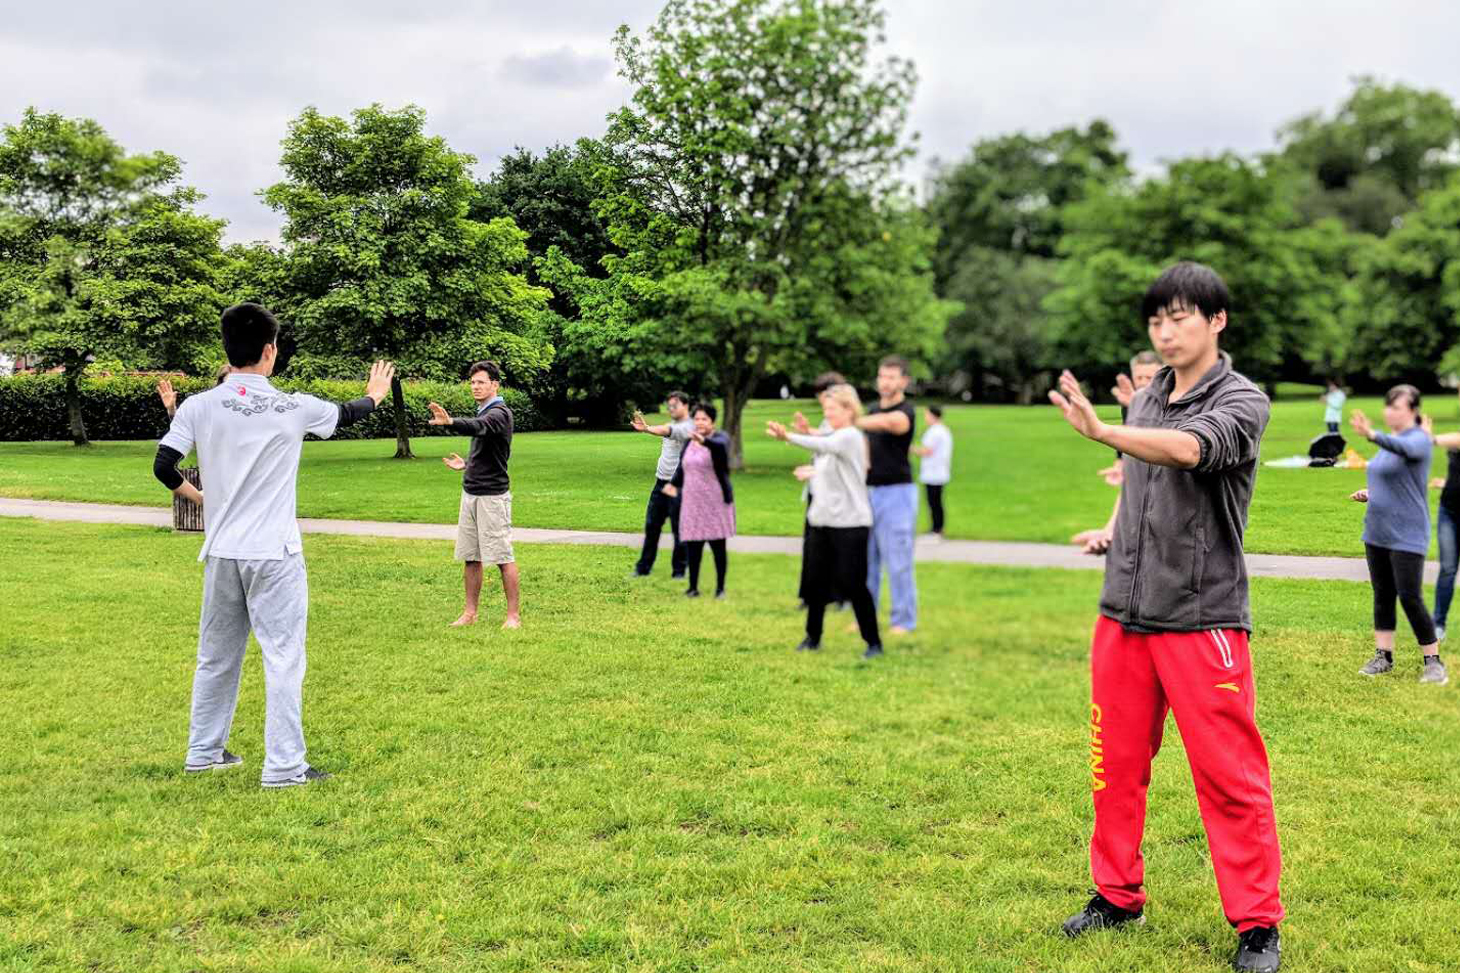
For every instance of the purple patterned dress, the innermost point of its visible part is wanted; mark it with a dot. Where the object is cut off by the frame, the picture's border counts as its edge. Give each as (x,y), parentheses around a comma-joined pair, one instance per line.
(703,513)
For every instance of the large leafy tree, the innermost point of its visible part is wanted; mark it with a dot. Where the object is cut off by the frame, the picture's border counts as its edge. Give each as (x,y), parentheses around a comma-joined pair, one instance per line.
(101,253)
(1371,160)
(1286,278)
(383,257)
(757,129)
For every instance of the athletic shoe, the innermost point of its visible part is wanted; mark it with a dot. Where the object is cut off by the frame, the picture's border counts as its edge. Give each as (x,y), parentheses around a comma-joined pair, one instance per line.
(808,646)
(1100,913)
(720,595)
(309,776)
(677,576)
(225,760)
(1378,665)
(873,652)
(1258,950)
(637,576)
(1435,673)
(692,593)
(1439,633)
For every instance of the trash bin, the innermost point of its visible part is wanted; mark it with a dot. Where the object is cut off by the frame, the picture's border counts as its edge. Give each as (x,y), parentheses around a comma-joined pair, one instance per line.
(187,515)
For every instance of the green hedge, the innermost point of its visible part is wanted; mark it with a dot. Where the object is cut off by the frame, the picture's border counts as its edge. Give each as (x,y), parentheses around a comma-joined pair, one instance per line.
(33,407)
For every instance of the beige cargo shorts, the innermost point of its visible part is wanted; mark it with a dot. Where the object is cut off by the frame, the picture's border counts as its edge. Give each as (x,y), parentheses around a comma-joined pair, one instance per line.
(484,529)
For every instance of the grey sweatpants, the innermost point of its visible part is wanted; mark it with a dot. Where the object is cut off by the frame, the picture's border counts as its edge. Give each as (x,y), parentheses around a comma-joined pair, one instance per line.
(271,598)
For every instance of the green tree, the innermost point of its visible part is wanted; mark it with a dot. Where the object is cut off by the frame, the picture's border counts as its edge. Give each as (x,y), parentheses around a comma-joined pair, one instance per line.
(382,256)
(1286,278)
(100,253)
(756,129)
(1403,310)
(1370,161)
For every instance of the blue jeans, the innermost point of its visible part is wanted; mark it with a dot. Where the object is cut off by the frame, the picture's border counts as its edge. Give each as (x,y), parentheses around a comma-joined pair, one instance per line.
(1445,531)
(894,526)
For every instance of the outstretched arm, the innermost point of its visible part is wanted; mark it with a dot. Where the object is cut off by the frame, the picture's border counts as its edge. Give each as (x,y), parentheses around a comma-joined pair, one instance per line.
(896,423)
(377,387)
(1161,447)
(640,425)
(164,467)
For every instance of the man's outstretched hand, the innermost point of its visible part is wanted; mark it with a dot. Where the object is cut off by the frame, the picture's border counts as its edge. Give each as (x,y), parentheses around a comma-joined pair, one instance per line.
(454,462)
(439,416)
(378,385)
(1125,389)
(1078,411)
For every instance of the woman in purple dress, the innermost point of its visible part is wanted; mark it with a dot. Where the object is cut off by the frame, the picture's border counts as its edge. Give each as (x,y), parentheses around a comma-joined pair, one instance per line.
(707,503)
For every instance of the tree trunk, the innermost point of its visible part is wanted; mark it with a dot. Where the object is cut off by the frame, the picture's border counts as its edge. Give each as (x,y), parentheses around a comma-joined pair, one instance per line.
(402,431)
(737,396)
(73,405)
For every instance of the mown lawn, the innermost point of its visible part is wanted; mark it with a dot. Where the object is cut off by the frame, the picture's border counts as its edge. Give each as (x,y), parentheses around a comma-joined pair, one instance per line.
(1020,474)
(634,783)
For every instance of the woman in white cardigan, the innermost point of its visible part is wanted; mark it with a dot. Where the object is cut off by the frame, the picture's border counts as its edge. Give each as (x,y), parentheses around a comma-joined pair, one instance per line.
(840,517)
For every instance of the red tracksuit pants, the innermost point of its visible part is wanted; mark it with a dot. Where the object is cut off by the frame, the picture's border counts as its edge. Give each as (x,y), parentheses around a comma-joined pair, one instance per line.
(1206,679)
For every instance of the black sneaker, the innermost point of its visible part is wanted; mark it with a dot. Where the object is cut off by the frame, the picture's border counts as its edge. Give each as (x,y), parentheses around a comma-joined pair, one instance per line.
(720,595)
(225,760)
(1100,913)
(692,593)
(873,652)
(1258,950)
(309,776)
(677,576)
(808,646)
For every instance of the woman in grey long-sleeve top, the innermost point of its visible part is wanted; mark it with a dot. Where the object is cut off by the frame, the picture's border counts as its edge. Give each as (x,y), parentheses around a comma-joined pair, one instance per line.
(1397,530)
(840,518)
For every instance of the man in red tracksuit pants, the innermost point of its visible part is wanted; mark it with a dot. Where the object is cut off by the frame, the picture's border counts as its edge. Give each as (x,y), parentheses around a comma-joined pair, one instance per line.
(1174,620)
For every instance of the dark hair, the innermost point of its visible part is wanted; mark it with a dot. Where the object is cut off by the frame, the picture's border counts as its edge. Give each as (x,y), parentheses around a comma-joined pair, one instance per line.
(826,380)
(490,367)
(894,361)
(246,329)
(1187,286)
(936,410)
(677,395)
(706,408)
(1407,391)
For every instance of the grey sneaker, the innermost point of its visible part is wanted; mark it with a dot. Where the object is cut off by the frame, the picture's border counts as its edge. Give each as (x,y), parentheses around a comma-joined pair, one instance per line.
(1378,665)
(309,776)
(1435,672)
(225,760)
(1439,633)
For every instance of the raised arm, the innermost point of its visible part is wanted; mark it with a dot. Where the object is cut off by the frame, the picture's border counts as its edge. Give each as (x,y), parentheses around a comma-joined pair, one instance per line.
(377,387)
(896,423)
(1161,447)
(1412,448)
(640,425)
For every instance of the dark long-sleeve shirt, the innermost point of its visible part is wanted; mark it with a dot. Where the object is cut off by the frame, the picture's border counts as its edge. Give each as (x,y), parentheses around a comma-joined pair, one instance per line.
(491,448)
(1176,561)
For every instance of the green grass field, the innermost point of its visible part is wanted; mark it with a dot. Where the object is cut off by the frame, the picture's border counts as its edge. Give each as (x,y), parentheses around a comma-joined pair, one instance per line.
(1019,474)
(635,783)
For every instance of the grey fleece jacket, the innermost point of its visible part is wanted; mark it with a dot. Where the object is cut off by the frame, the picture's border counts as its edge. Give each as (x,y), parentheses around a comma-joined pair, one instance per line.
(1176,562)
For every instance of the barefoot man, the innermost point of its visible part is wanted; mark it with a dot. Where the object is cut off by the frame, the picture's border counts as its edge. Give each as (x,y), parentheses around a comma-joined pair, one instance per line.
(484,523)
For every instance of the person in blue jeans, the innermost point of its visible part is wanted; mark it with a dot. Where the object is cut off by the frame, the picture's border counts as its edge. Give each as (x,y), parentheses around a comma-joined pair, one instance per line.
(889,426)
(1446,530)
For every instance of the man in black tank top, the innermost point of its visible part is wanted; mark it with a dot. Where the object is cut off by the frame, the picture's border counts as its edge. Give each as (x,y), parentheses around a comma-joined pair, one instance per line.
(889,426)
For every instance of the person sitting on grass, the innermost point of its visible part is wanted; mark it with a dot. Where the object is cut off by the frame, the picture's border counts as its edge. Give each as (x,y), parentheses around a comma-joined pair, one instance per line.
(840,519)
(1397,530)
(484,516)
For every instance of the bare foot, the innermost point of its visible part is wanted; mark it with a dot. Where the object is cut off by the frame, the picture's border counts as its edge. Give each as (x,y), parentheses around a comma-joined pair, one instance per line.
(512,622)
(899,630)
(467,618)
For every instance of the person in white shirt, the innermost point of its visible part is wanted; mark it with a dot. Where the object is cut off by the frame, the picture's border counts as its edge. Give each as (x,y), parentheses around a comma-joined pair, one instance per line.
(936,468)
(675,433)
(1333,399)
(249,436)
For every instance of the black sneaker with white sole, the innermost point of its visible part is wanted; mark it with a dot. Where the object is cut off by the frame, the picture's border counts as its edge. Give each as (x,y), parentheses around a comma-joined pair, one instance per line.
(225,760)
(1100,913)
(310,776)
(1258,951)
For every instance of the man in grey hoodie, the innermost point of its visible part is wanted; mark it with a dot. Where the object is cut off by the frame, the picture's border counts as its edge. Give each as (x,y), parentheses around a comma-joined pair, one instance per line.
(1174,619)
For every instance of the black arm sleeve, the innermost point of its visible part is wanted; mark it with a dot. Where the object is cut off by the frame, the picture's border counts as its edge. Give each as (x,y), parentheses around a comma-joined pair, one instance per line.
(164,467)
(353,411)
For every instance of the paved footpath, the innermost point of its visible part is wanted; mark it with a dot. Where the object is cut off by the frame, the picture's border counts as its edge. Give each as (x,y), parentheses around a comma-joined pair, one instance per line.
(948,552)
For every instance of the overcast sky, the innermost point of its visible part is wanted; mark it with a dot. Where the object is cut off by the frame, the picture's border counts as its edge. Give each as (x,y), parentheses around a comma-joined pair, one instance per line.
(217,84)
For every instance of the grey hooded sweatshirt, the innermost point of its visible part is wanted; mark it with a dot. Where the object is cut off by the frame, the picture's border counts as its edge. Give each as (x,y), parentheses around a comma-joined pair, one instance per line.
(1175,562)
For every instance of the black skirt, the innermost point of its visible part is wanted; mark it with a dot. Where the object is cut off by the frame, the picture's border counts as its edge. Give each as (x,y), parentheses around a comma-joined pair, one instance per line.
(834,565)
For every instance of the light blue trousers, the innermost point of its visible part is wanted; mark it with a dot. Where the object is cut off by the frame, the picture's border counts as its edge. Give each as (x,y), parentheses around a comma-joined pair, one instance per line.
(894,527)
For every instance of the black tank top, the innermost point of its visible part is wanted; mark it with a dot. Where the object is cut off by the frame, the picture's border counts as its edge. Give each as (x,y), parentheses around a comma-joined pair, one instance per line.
(890,460)
(1450,495)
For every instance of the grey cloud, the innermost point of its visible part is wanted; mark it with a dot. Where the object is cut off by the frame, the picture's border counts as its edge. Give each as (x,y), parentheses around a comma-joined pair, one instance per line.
(562,68)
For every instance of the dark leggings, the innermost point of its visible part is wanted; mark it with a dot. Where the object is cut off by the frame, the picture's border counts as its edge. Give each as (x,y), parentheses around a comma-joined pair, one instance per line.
(1399,574)
(865,611)
(935,505)
(696,551)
